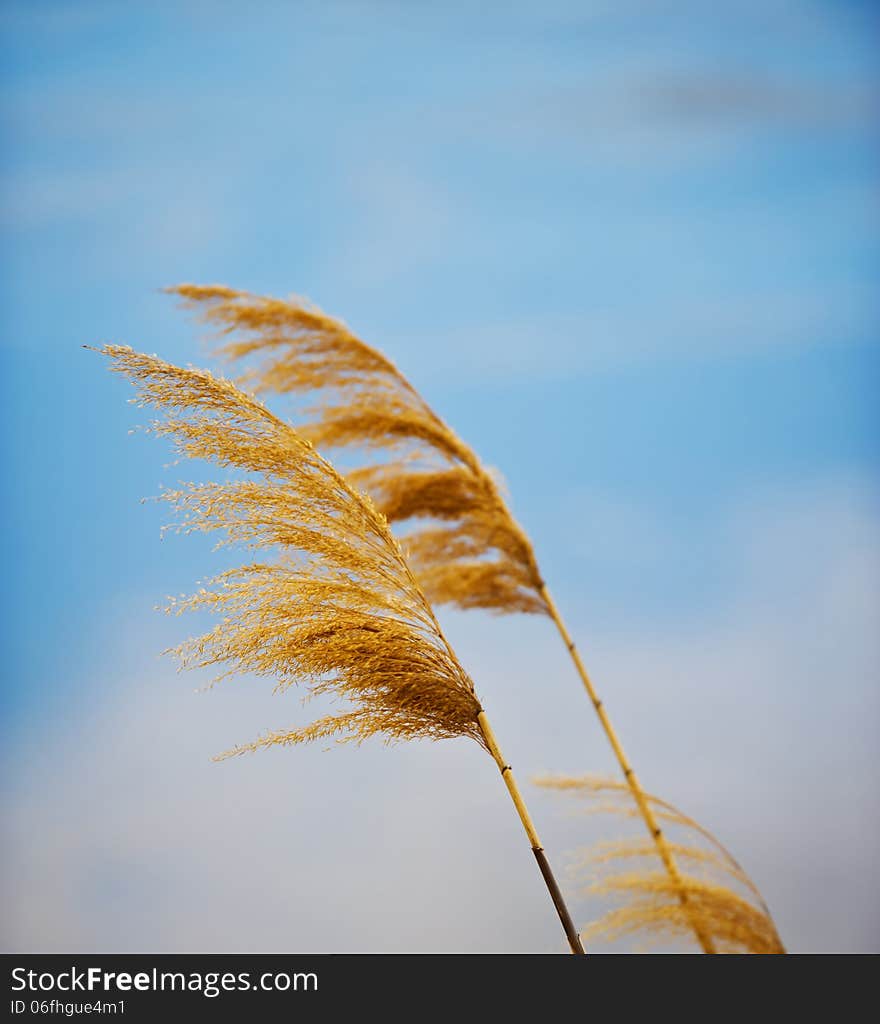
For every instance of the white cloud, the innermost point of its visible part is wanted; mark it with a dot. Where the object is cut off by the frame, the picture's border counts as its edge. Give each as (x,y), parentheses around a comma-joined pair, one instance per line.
(762,723)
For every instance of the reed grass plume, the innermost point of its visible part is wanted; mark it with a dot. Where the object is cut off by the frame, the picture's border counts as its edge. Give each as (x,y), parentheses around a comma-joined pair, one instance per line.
(337,610)
(471,552)
(340,611)
(721,898)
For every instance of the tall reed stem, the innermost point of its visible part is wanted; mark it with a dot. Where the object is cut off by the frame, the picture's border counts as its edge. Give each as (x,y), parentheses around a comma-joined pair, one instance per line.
(571,932)
(632,780)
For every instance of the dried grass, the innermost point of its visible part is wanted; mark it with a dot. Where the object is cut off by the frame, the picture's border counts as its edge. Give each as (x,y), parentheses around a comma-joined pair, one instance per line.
(721,900)
(338,609)
(471,552)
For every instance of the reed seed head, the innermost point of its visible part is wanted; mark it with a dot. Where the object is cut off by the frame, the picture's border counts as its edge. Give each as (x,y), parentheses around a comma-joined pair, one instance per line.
(460,537)
(719,897)
(327,600)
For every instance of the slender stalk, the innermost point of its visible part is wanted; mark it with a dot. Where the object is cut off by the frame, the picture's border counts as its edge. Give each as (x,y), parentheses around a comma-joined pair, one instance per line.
(571,932)
(632,780)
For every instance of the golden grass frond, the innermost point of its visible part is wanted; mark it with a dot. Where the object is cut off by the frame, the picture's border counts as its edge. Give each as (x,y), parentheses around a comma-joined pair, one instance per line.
(719,897)
(653,907)
(479,557)
(337,609)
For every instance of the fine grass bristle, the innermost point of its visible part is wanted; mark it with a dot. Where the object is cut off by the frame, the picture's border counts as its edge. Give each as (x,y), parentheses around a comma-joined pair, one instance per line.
(337,609)
(713,895)
(471,553)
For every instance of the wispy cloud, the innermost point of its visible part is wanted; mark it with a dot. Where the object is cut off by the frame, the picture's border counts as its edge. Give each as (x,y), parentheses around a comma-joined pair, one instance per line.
(624,336)
(121,835)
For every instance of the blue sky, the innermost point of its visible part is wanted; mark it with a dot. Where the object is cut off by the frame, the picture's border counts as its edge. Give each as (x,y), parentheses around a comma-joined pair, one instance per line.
(628,250)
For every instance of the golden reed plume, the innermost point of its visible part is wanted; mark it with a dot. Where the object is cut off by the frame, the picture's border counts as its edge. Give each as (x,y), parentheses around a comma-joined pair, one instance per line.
(474,554)
(721,899)
(478,556)
(339,609)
